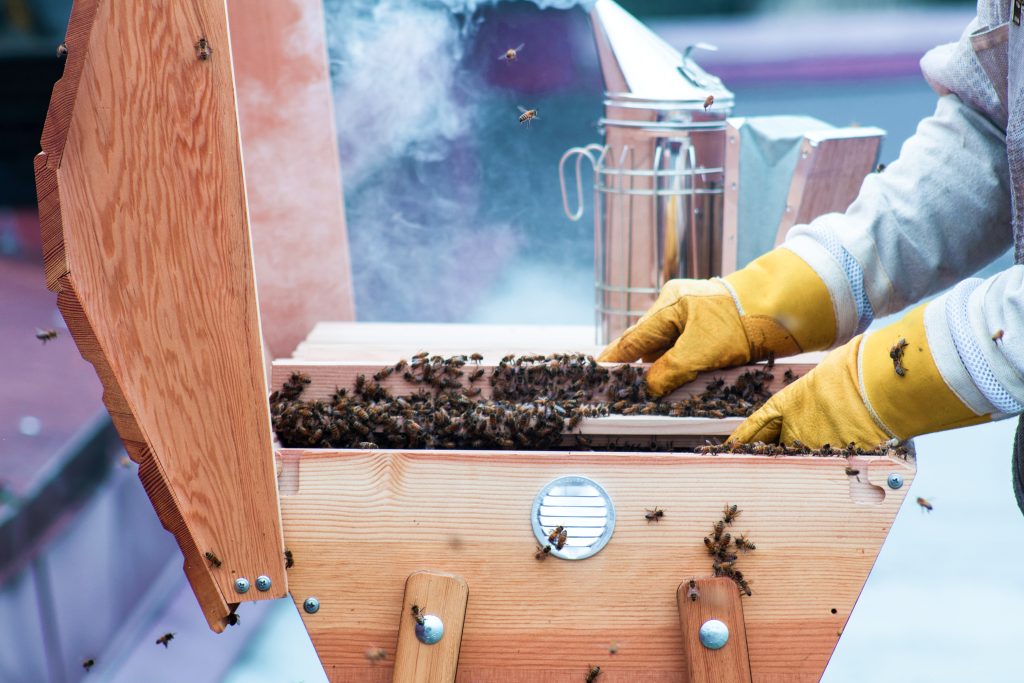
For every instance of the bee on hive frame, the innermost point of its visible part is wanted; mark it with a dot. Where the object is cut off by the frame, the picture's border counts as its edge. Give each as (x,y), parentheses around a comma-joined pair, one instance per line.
(212,558)
(592,675)
(511,54)
(654,515)
(925,504)
(527,115)
(418,613)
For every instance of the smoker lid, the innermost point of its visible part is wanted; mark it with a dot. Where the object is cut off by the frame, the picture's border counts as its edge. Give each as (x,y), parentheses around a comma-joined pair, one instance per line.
(637,62)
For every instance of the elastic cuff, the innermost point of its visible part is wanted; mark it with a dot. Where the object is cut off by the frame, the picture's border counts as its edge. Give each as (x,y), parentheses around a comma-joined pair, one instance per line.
(947,360)
(831,273)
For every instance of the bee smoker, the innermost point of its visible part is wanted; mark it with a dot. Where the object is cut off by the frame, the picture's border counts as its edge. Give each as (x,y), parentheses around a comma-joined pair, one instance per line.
(658,177)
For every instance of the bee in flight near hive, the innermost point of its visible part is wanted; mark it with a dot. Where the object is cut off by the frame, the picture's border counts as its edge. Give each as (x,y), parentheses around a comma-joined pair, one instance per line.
(45,335)
(88,663)
(925,504)
(997,336)
(708,101)
(692,592)
(527,115)
(165,639)
(512,54)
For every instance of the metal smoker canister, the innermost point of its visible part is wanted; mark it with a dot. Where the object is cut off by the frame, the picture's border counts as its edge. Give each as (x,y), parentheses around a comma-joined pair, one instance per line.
(658,177)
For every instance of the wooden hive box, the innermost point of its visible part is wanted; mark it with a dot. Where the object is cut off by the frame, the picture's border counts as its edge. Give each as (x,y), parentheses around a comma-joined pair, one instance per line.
(154,246)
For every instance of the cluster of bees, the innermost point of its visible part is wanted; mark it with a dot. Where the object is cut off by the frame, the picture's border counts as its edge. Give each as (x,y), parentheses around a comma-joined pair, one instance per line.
(725,550)
(535,402)
(892,447)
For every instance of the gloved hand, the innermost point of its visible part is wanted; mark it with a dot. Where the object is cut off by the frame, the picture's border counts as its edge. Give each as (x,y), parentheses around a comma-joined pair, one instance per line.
(857,395)
(780,307)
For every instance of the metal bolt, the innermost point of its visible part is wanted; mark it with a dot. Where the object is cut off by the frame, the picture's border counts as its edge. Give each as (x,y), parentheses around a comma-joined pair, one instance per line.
(311,605)
(714,634)
(895,480)
(431,630)
(241,585)
(263,583)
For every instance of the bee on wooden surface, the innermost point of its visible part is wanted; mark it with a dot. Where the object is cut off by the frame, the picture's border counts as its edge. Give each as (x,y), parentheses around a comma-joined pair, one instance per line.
(376,654)
(527,115)
(853,472)
(165,639)
(896,353)
(471,393)
(743,543)
(788,377)
(744,586)
(542,552)
(401,365)
(654,515)
(203,50)
(719,528)
(708,101)
(613,649)
(476,374)
(212,558)
(418,613)
(511,54)
(476,357)
(592,675)
(289,559)
(45,335)
(384,373)
(554,533)
(924,503)
(88,663)
(692,592)
(997,336)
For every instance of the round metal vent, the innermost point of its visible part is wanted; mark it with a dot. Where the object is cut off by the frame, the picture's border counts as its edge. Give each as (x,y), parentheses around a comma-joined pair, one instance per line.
(580,505)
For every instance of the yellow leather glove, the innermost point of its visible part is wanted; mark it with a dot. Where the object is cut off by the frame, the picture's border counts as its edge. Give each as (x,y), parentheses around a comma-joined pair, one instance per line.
(856,395)
(695,325)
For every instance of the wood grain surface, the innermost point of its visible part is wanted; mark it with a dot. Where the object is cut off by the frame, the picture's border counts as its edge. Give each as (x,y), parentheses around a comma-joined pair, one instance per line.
(143,208)
(716,598)
(442,595)
(360,522)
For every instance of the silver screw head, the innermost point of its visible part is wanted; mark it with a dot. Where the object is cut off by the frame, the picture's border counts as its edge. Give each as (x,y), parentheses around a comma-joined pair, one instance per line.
(241,585)
(714,634)
(263,583)
(895,480)
(311,605)
(431,630)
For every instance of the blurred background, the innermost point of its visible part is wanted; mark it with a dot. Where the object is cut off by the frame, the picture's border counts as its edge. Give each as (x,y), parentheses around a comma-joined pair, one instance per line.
(438,174)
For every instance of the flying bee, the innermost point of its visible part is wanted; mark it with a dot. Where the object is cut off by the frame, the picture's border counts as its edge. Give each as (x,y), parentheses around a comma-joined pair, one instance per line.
(212,558)
(88,663)
(232,619)
(165,639)
(654,515)
(289,559)
(997,336)
(924,503)
(376,654)
(367,445)
(418,613)
(542,552)
(896,353)
(692,592)
(527,115)
(511,54)
(613,649)
(203,50)
(788,376)
(555,532)
(45,335)
(708,101)
(592,675)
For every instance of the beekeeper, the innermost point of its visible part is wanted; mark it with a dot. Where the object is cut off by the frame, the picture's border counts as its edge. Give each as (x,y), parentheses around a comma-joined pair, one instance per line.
(952,203)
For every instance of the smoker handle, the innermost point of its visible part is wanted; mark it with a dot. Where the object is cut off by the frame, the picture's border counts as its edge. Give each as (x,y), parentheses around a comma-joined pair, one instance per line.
(580,153)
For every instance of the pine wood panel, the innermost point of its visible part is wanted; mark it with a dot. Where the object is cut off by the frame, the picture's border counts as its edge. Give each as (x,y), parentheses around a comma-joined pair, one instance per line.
(442,595)
(144,217)
(716,598)
(292,171)
(359,523)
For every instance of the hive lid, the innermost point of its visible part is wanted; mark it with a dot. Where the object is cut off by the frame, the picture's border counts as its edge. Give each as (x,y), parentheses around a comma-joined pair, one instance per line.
(636,62)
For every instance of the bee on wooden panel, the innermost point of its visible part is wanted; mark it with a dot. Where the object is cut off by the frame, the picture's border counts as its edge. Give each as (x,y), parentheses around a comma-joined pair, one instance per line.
(376,654)
(203,49)
(289,559)
(542,552)
(212,558)
(654,515)
(691,591)
(418,613)
(925,504)
(592,674)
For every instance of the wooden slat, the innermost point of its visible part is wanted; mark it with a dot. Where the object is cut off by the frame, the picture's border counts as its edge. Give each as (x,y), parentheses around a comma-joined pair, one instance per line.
(141,179)
(716,598)
(292,172)
(359,523)
(443,595)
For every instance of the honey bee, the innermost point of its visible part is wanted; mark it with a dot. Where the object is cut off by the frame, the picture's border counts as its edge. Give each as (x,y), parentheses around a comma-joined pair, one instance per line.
(730,513)
(366,445)
(879,168)
(708,101)
(692,592)
(896,353)
(45,335)
(852,472)
(289,559)
(232,619)
(384,373)
(62,50)
(527,115)
(165,639)
(654,515)
(401,365)
(924,503)
(512,54)
(475,391)
(554,533)
(88,663)
(788,376)
(743,543)
(203,50)
(422,355)
(476,357)
(376,654)
(542,552)
(563,536)
(418,613)
(997,336)
(592,675)
(475,375)
(212,558)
